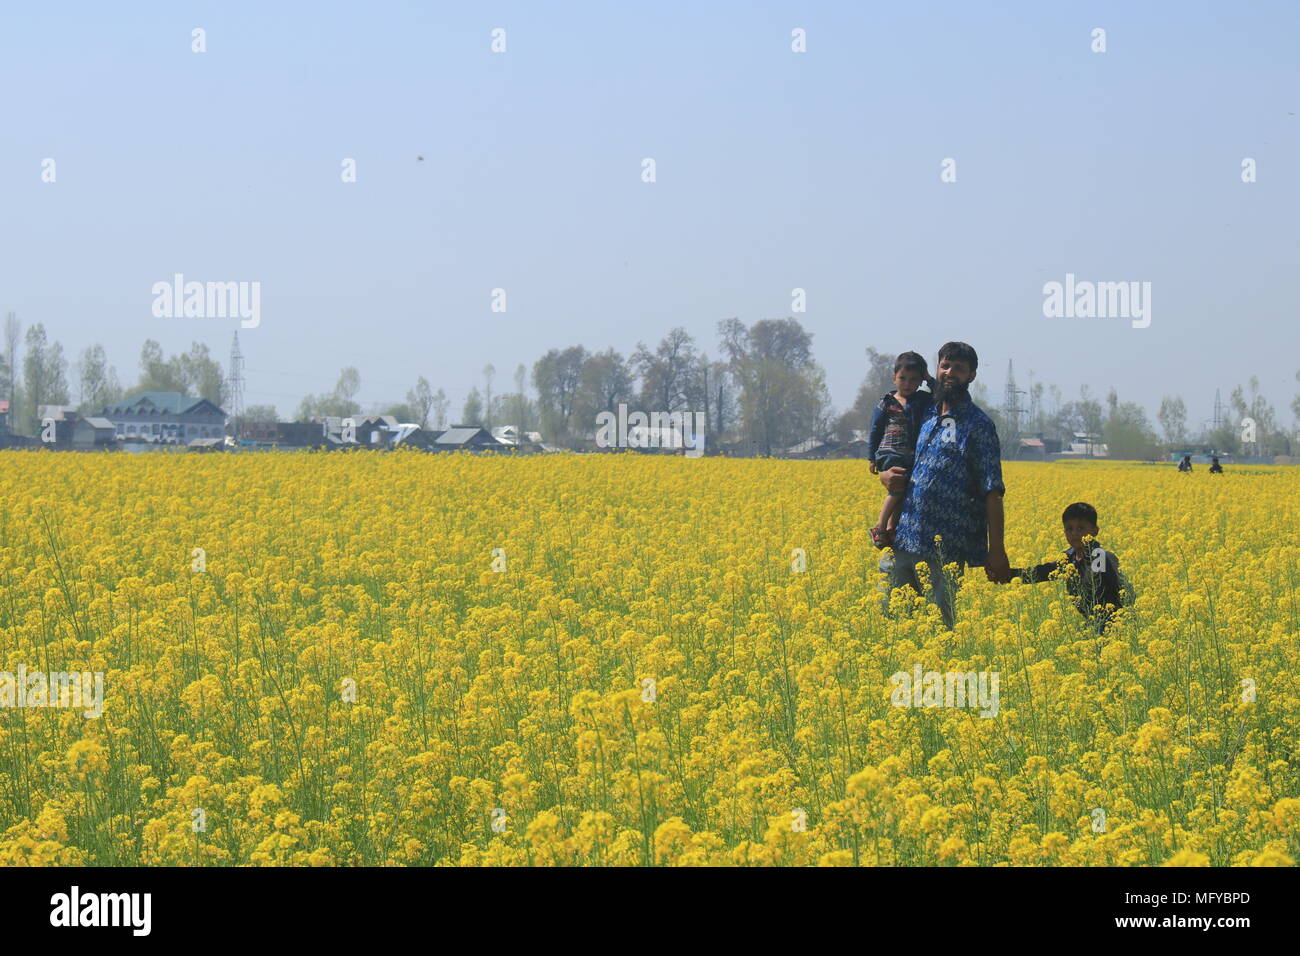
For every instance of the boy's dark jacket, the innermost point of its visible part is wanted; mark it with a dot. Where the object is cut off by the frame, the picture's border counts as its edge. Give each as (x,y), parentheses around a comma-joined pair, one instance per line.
(1091,590)
(918,406)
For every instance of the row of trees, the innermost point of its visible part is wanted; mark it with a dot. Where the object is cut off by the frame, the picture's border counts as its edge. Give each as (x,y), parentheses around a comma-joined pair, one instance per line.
(1123,426)
(762,390)
(423,405)
(40,374)
(1247,424)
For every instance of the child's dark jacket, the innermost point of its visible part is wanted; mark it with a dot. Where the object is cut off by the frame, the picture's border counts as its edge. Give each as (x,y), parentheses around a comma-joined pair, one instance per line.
(1097,588)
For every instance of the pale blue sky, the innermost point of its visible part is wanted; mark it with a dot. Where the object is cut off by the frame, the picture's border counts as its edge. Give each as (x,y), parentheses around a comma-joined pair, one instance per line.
(775,170)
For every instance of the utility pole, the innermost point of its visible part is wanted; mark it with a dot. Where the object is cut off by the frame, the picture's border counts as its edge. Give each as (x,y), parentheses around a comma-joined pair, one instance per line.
(520,375)
(1034,410)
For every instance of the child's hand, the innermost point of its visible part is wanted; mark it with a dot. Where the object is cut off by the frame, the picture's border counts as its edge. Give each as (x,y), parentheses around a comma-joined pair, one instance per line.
(875,469)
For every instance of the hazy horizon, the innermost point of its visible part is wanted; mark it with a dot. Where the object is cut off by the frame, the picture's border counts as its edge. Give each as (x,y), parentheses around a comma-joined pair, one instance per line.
(775,170)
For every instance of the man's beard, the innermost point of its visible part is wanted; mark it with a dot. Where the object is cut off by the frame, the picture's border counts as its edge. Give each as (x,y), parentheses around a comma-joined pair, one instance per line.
(951,394)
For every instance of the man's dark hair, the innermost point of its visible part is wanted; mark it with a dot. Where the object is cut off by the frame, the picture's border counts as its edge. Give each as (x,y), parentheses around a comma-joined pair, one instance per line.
(1080,510)
(961,352)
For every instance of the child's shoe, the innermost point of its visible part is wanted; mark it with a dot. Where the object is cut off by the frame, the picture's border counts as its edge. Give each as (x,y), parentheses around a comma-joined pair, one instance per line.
(882,537)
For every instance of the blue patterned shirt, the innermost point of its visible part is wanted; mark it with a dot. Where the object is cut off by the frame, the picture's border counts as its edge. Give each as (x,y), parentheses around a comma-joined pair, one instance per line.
(956,466)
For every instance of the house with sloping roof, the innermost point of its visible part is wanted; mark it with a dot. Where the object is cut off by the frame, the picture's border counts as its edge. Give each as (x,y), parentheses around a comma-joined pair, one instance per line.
(1031,449)
(362,431)
(413,436)
(814,447)
(856,446)
(466,438)
(54,425)
(508,435)
(93,432)
(166,417)
(1086,446)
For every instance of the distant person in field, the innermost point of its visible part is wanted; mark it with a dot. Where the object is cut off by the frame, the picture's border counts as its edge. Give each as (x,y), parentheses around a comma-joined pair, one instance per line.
(1215,467)
(1185,464)
(1092,575)
(895,424)
(952,504)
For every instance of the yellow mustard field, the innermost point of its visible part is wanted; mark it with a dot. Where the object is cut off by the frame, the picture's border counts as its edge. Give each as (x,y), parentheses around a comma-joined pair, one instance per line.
(407,659)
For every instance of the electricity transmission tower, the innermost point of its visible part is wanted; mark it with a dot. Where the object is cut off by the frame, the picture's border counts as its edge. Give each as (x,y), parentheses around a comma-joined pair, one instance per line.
(235,389)
(1011,410)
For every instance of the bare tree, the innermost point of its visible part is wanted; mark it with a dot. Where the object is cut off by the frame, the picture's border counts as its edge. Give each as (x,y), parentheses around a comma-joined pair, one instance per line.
(606,381)
(98,385)
(13,331)
(879,380)
(1261,417)
(1173,419)
(339,403)
(666,372)
(420,399)
(710,391)
(44,373)
(440,407)
(556,376)
(783,396)
(521,380)
(472,412)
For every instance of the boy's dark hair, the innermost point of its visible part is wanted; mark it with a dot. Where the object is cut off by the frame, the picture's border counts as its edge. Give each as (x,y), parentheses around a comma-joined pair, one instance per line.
(1080,510)
(960,352)
(913,362)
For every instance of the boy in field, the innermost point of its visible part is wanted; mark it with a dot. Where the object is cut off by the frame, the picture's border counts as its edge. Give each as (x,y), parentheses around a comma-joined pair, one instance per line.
(1092,575)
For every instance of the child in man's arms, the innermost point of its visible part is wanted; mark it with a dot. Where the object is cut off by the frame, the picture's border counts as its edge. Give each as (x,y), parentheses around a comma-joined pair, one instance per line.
(891,442)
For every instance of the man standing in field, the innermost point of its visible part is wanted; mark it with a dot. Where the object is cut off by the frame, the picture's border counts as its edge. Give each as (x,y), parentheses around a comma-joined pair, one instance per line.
(952,511)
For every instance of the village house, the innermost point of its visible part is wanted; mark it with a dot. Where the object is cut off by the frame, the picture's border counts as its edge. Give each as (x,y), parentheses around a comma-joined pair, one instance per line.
(466,438)
(529,444)
(62,418)
(1085,446)
(823,448)
(166,417)
(94,432)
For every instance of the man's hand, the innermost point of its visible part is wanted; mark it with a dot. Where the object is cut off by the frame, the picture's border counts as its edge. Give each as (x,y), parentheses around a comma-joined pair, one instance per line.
(997,568)
(894,479)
